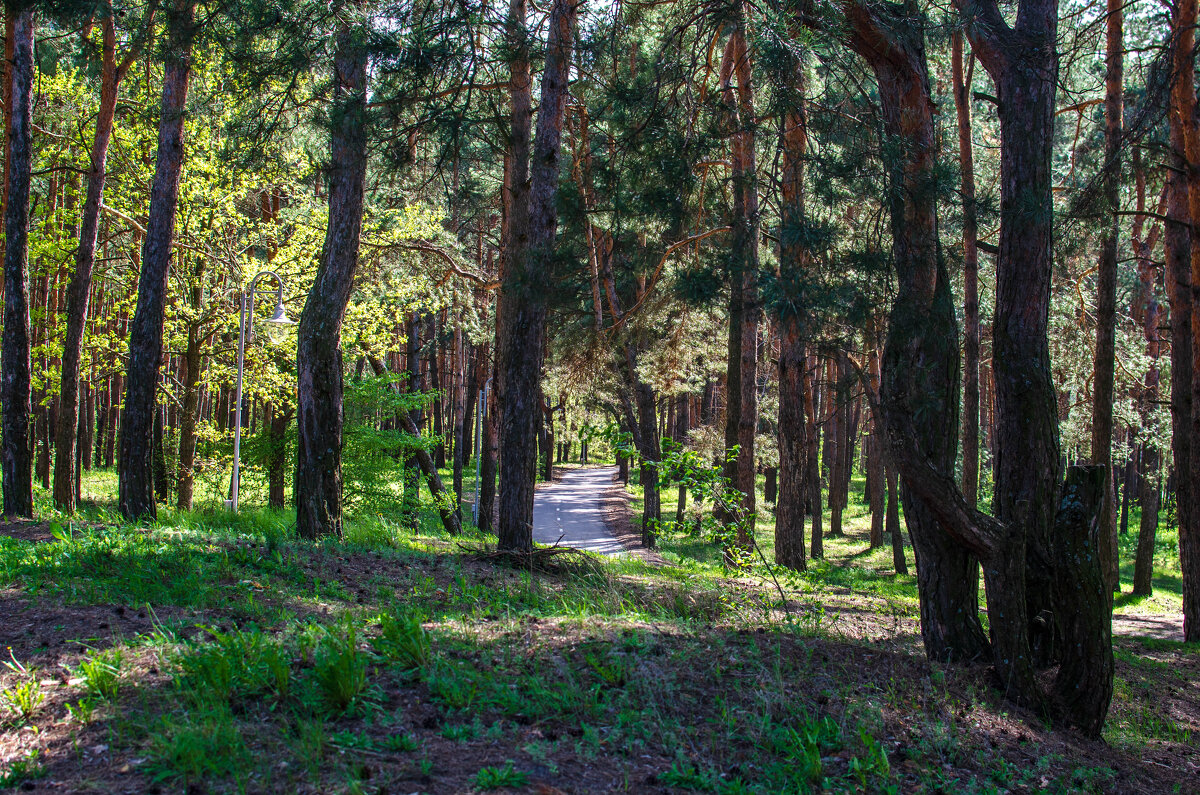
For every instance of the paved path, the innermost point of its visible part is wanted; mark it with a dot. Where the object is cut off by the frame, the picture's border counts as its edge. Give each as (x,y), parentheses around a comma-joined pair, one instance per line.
(570,508)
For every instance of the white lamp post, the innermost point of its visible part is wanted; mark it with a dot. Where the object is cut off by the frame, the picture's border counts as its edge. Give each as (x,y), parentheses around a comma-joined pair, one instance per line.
(480,411)
(279,319)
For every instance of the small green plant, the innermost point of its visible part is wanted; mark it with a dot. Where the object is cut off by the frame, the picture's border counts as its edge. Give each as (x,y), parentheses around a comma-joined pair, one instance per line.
(489,778)
(101,673)
(82,710)
(461,732)
(340,668)
(198,748)
(403,640)
(23,699)
(22,770)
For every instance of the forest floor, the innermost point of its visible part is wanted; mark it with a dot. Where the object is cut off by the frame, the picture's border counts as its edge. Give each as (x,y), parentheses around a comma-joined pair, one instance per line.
(212,653)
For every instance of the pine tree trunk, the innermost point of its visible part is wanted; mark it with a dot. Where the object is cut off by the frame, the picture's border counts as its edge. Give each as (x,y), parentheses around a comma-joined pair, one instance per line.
(817,539)
(192,364)
(136,482)
(528,247)
(15,394)
(919,388)
(791,319)
(1104,371)
(318,482)
(892,524)
(79,289)
(966,164)
(278,420)
(741,404)
(1183,280)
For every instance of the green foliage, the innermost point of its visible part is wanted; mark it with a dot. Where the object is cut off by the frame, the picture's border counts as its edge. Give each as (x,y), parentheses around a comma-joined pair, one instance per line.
(340,668)
(490,778)
(196,747)
(23,770)
(101,673)
(23,698)
(237,664)
(403,640)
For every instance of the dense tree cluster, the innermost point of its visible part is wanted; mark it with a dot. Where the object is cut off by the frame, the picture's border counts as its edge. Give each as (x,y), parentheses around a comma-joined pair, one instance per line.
(951,246)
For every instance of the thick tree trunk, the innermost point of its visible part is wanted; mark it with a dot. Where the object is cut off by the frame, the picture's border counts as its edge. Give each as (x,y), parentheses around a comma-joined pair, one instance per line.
(1104,371)
(528,249)
(966,165)
(15,394)
(1183,260)
(1083,685)
(318,482)
(136,481)
(791,318)
(1023,64)
(920,378)
(79,289)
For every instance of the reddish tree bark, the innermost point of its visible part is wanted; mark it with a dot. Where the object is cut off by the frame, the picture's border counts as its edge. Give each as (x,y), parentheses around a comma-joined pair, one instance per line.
(79,289)
(741,404)
(1183,280)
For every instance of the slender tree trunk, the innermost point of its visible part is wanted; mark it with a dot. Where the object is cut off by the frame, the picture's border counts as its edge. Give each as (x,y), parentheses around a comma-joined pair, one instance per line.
(459,418)
(14,349)
(136,481)
(1106,289)
(278,420)
(528,249)
(318,482)
(817,539)
(892,525)
(966,164)
(1151,315)
(741,404)
(79,289)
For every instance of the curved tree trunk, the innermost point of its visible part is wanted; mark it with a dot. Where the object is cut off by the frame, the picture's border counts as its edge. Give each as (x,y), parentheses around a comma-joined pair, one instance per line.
(318,482)
(920,378)
(15,392)
(136,482)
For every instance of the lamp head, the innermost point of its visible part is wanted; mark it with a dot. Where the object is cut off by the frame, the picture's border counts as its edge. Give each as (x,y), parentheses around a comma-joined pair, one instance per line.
(278,324)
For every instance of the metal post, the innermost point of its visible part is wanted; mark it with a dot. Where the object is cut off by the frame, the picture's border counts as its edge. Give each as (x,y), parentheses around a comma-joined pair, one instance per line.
(247,311)
(480,406)
(247,318)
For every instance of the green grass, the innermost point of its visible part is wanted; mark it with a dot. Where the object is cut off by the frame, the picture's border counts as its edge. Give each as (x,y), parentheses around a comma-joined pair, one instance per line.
(386,659)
